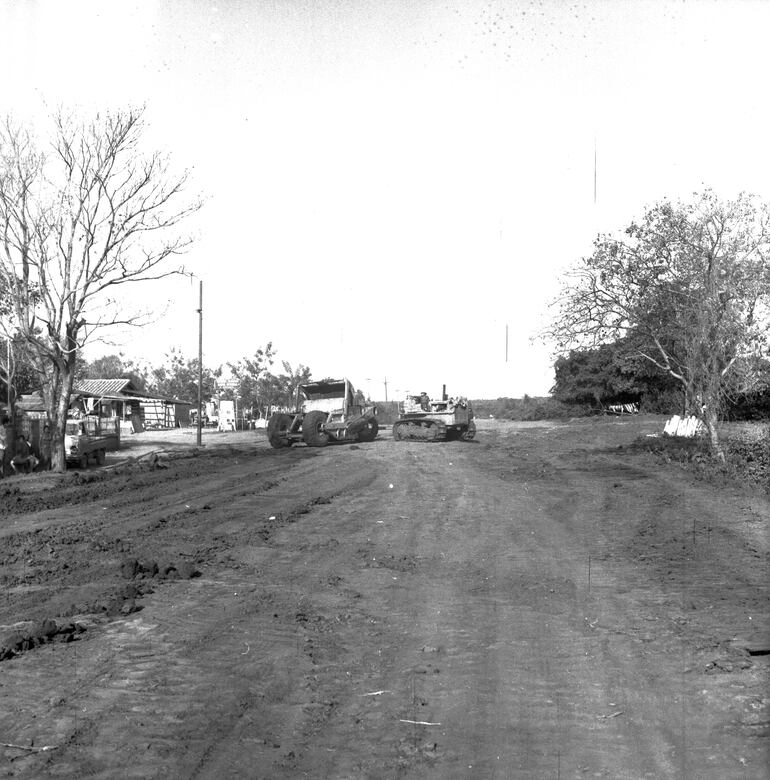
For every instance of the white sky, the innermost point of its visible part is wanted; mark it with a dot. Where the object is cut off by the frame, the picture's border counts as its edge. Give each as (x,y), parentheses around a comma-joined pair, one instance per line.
(389,183)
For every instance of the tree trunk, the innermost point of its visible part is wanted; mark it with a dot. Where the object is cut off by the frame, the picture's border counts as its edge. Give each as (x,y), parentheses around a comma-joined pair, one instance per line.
(58,401)
(711,420)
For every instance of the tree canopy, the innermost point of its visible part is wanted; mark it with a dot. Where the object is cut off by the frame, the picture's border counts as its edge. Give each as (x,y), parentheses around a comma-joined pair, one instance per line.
(610,373)
(688,287)
(177,377)
(278,389)
(248,373)
(114,367)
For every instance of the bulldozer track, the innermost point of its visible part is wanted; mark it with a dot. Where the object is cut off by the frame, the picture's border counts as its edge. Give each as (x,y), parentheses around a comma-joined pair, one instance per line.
(419,430)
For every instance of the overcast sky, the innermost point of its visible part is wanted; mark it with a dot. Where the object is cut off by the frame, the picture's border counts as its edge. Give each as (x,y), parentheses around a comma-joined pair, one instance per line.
(389,184)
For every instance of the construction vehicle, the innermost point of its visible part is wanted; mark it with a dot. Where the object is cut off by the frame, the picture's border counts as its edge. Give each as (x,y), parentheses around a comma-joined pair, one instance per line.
(423,419)
(325,412)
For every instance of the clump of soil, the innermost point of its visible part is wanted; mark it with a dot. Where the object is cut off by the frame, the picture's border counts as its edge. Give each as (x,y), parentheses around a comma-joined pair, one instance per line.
(146,569)
(120,601)
(47,630)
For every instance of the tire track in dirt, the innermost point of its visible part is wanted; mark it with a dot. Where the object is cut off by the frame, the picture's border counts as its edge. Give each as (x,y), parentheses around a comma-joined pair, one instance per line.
(140,652)
(664,597)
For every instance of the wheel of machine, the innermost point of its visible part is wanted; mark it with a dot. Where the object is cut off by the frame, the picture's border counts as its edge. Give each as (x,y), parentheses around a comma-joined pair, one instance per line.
(397,431)
(313,433)
(469,432)
(369,431)
(101,456)
(277,427)
(83,463)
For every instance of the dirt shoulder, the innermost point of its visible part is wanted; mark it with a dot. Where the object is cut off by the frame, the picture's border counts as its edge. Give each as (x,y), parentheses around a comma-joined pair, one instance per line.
(539,603)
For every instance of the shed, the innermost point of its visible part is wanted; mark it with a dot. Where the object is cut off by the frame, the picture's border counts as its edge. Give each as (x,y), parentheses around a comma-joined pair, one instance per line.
(120,398)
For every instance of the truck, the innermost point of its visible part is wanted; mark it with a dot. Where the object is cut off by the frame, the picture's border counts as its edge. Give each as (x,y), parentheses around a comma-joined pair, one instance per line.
(324,412)
(82,447)
(424,419)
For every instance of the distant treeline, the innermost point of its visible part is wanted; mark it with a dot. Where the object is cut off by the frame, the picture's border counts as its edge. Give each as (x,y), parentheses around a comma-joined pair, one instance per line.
(529,408)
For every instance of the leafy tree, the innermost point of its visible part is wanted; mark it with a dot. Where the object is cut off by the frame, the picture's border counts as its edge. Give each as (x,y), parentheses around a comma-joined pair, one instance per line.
(114,367)
(79,223)
(105,367)
(610,373)
(752,403)
(595,376)
(691,282)
(178,378)
(278,390)
(247,373)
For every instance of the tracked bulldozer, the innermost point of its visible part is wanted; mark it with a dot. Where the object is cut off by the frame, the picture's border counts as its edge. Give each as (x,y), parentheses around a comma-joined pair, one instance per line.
(423,419)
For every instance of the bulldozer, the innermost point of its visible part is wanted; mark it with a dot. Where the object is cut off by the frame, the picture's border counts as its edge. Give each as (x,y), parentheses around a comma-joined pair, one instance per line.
(325,412)
(423,419)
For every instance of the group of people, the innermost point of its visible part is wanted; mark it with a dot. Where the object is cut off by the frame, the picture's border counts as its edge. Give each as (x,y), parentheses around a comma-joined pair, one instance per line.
(23,457)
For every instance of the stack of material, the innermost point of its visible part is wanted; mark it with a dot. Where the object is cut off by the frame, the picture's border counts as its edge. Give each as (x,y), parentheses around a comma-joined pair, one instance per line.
(684,426)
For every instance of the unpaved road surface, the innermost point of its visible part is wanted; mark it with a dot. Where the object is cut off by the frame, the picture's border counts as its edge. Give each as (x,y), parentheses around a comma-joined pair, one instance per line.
(535,604)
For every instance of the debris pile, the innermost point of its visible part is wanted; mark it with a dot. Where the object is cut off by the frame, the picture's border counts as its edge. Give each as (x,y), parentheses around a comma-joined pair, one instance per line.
(48,630)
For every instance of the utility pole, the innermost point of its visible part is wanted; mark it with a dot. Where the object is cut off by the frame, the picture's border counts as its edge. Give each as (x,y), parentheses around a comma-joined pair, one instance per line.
(506,342)
(8,376)
(200,363)
(386,389)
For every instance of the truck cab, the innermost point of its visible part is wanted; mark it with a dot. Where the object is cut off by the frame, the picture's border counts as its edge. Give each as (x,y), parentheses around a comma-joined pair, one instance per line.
(82,448)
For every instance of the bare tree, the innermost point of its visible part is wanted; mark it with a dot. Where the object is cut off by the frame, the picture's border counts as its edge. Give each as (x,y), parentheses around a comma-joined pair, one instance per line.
(79,221)
(689,287)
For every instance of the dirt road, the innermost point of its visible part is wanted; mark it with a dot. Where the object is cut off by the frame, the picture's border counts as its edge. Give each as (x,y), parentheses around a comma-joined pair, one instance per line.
(535,604)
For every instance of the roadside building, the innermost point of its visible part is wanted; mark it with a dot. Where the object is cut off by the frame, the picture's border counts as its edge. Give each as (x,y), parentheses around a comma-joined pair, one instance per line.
(136,410)
(111,407)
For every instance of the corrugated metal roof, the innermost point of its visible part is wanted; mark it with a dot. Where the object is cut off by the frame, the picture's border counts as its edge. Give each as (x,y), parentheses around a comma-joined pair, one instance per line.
(101,389)
(105,387)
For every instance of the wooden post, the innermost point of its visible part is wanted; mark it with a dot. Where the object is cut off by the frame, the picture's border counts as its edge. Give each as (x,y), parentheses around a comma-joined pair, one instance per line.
(200,365)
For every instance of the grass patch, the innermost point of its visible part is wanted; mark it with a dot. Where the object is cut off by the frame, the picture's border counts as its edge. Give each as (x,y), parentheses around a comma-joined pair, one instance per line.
(747,458)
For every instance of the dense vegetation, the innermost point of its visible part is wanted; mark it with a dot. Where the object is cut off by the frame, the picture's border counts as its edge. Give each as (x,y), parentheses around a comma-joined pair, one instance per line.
(592,379)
